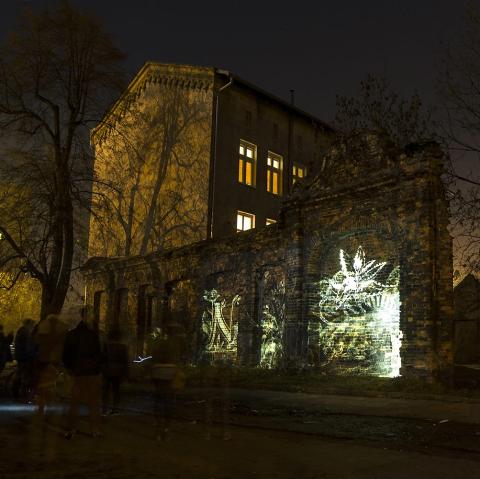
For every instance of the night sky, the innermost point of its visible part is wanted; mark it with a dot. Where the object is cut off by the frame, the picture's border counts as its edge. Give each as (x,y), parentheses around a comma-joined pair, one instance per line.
(319,48)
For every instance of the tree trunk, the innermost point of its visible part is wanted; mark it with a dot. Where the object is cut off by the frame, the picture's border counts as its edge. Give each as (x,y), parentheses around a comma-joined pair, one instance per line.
(55,285)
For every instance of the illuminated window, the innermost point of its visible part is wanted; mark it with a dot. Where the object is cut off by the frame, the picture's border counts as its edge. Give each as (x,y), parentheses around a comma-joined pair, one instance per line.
(274,173)
(247,163)
(269,222)
(298,172)
(245,221)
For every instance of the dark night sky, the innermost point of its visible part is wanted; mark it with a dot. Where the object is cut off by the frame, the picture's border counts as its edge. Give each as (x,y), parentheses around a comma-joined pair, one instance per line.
(319,48)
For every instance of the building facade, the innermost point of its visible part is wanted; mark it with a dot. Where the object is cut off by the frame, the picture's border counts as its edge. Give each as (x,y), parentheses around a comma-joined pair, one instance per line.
(190,153)
(355,275)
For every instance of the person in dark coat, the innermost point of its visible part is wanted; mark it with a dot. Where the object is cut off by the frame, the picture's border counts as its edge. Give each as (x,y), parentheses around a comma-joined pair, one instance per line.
(5,353)
(115,370)
(48,337)
(24,354)
(82,357)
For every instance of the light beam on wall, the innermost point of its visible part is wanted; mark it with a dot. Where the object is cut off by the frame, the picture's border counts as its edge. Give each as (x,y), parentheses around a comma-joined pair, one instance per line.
(360,315)
(219,325)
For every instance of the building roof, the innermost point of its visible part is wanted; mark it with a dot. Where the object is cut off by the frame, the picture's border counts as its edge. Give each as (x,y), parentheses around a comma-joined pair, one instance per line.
(196,76)
(289,106)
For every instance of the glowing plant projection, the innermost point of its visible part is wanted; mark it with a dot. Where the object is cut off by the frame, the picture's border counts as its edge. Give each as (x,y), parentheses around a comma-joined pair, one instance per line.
(273,321)
(360,315)
(221,333)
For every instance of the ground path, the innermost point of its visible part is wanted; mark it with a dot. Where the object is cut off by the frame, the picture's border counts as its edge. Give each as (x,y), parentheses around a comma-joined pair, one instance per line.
(276,435)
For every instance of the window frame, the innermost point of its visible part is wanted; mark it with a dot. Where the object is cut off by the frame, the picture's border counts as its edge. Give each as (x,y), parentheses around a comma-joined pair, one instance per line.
(243,215)
(295,176)
(244,160)
(272,171)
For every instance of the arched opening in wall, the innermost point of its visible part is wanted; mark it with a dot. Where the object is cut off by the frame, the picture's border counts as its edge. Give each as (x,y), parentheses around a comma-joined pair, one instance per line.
(220,318)
(270,317)
(144,320)
(182,312)
(354,305)
(120,311)
(100,310)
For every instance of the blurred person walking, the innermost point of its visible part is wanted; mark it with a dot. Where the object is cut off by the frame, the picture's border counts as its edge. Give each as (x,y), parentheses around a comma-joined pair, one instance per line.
(167,375)
(5,352)
(217,397)
(24,354)
(114,371)
(48,338)
(82,356)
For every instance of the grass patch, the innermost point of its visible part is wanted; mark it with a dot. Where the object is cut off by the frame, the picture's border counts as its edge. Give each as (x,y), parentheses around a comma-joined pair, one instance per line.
(315,382)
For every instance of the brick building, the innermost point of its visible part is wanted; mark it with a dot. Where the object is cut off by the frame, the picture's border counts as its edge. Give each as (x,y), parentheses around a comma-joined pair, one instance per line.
(189,153)
(356,273)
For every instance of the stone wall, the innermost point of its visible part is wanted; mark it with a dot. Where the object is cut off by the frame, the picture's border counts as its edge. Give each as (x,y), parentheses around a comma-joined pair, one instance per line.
(359,264)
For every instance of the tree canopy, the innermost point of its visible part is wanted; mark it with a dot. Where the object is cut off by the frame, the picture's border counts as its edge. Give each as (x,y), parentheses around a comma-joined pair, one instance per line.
(59,70)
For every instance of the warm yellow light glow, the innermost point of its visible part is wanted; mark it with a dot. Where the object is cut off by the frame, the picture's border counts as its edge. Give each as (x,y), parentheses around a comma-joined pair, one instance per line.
(245,221)
(246,163)
(144,201)
(240,170)
(274,173)
(275,184)
(248,173)
(269,222)
(298,171)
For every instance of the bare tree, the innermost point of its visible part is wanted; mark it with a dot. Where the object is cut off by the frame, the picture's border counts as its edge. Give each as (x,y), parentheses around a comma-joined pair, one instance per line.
(57,72)
(379,107)
(149,192)
(459,94)
(18,300)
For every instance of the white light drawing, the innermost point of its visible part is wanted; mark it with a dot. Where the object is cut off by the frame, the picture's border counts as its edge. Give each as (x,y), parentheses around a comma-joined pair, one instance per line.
(360,315)
(273,323)
(350,290)
(222,333)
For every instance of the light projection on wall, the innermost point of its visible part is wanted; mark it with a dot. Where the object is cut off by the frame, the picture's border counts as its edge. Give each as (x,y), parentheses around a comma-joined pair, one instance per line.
(218,323)
(359,313)
(273,323)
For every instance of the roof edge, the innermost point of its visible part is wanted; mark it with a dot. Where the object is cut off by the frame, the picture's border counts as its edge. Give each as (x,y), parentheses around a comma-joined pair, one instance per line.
(274,98)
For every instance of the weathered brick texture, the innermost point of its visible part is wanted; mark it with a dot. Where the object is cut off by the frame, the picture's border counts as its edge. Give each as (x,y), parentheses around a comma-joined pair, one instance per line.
(390,202)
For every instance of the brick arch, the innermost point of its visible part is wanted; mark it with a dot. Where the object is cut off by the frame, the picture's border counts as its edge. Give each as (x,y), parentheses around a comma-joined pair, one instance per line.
(322,261)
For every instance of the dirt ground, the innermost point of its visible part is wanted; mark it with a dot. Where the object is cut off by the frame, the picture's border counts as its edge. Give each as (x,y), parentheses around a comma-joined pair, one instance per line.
(266,442)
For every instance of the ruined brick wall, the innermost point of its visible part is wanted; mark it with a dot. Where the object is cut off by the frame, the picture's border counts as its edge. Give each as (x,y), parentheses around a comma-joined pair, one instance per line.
(392,204)
(383,208)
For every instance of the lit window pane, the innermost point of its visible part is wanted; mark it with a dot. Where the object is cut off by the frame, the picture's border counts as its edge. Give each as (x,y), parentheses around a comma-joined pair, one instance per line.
(294,171)
(239,222)
(275,183)
(268,180)
(240,171)
(248,173)
(275,164)
(242,150)
(300,172)
(247,223)
(269,161)
(249,153)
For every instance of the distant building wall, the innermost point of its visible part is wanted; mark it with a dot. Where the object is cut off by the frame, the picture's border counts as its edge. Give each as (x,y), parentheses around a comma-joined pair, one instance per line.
(152,159)
(467,320)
